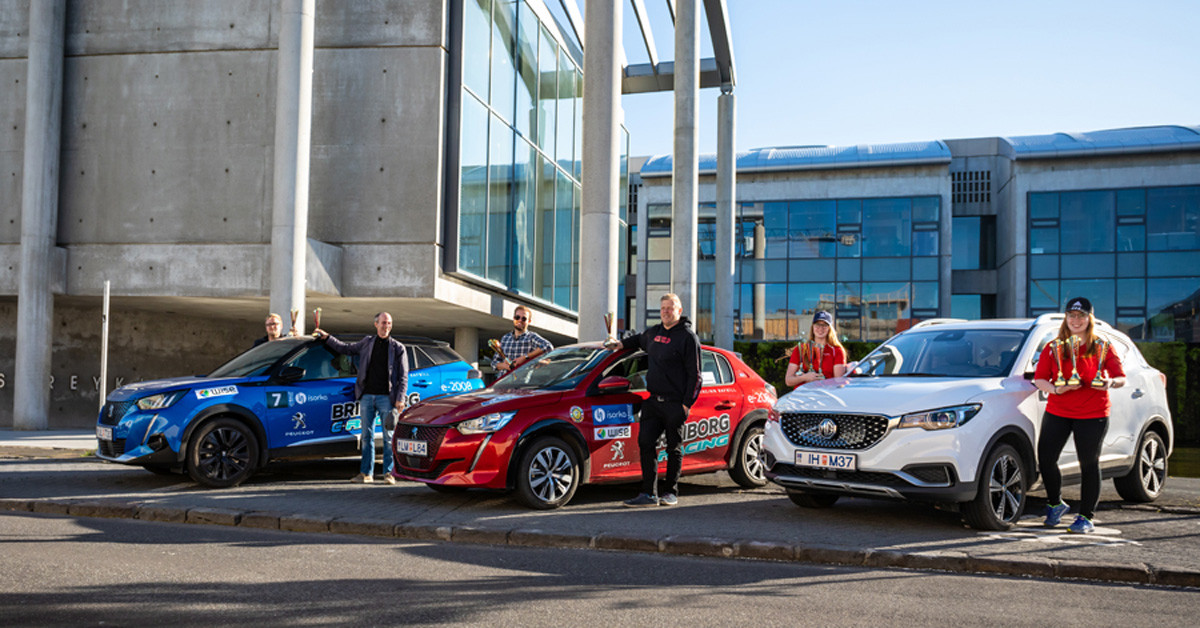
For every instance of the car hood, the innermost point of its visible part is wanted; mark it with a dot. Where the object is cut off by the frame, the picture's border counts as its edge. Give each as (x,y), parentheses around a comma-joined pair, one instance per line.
(889,396)
(446,410)
(141,389)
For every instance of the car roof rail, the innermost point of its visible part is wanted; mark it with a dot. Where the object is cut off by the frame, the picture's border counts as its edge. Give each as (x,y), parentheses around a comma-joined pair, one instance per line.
(1049,317)
(937,321)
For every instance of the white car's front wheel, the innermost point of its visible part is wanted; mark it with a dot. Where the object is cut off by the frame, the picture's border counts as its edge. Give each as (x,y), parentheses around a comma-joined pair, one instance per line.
(1002,492)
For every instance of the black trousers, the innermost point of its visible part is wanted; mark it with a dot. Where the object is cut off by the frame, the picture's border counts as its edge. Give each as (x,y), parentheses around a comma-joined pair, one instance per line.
(659,417)
(1089,437)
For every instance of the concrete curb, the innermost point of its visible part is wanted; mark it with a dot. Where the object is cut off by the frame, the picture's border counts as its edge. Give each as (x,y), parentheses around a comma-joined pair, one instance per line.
(712,547)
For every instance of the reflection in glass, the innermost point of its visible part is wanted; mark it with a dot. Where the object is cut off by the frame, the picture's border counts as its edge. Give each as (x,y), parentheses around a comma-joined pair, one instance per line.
(477,46)
(1173,219)
(775,225)
(525,118)
(547,93)
(504,74)
(886,227)
(500,181)
(473,181)
(1090,219)
(812,231)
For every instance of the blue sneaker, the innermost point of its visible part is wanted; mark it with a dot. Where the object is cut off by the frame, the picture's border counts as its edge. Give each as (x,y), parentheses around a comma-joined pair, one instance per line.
(1054,514)
(641,501)
(668,500)
(1082,525)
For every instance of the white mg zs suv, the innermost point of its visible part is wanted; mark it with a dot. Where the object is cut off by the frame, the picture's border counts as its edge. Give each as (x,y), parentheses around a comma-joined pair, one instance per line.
(946,412)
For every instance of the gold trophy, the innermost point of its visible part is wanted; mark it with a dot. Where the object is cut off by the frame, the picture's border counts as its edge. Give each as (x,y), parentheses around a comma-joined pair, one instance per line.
(295,315)
(1074,379)
(816,358)
(1057,348)
(1097,380)
(316,322)
(802,348)
(495,345)
(608,327)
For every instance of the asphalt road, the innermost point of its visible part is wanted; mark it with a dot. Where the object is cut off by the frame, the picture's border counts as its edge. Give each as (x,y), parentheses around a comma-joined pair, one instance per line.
(81,571)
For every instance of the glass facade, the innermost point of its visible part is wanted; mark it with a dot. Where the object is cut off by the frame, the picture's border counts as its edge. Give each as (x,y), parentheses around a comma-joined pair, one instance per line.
(520,154)
(873,261)
(1135,253)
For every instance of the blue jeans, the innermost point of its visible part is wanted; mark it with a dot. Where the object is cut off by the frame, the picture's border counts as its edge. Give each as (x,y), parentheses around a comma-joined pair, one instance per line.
(371,408)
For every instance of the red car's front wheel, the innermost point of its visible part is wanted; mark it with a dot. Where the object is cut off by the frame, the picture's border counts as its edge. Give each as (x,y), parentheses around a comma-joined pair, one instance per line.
(548,474)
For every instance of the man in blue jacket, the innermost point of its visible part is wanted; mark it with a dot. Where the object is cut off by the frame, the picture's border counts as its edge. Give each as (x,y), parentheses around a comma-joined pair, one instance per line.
(673,380)
(380,389)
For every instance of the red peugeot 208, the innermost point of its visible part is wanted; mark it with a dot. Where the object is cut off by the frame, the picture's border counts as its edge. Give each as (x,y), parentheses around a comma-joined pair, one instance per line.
(572,417)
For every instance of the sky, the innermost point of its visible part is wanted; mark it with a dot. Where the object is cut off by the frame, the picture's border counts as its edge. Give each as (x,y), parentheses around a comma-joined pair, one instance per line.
(844,72)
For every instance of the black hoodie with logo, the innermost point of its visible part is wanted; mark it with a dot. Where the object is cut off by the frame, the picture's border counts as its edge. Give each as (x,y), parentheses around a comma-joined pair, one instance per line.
(674,360)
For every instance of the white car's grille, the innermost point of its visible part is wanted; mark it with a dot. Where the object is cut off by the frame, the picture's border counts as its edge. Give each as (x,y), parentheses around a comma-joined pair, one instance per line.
(833,431)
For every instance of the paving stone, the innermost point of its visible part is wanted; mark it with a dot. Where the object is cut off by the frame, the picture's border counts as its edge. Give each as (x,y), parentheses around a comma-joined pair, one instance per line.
(16,505)
(467,534)
(304,523)
(628,543)
(110,510)
(544,538)
(214,516)
(1009,565)
(1108,571)
(423,532)
(52,506)
(260,519)
(764,550)
(830,555)
(166,514)
(1177,576)
(697,546)
(365,527)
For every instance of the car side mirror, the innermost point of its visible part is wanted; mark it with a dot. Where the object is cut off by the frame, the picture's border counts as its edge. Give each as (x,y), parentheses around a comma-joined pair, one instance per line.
(290,374)
(613,384)
(474,374)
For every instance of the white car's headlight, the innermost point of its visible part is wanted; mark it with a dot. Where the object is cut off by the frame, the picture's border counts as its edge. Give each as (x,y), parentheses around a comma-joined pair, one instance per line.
(160,401)
(486,424)
(941,418)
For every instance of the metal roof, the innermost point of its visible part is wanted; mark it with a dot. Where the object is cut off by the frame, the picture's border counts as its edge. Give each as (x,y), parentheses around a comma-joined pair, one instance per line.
(785,158)
(1107,142)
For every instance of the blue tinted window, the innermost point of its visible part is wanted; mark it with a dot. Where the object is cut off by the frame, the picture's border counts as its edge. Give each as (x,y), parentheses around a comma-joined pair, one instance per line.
(504,73)
(805,299)
(1131,293)
(500,183)
(525,118)
(775,223)
(1131,265)
(849,212)
(472,219)
(968,306)
(925,295)
(925,268)
(925,242)
(1090,219)
(477,45)
(811,229)
(965,243)
(886,227)
(885,269)
(776,311)
(1044,240)
(1043,205)
(1083,266)
(1043,294)
(926,208)
(547,93)
(1173,219)
(1043,267)
(1172,264)
(1131,202)
(849,270)
(1101,292)
(811,269)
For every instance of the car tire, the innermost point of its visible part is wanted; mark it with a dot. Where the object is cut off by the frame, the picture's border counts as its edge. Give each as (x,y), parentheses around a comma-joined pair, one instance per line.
(805,499)
(547,474)
(748,469)
(222,453)
(1144,482)
(1002,492)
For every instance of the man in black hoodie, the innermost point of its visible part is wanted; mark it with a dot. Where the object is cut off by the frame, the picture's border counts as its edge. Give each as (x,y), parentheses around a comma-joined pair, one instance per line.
(673,380)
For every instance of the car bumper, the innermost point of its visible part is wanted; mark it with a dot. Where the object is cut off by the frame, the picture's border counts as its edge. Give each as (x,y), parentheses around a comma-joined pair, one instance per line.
(468,461)
(119,451)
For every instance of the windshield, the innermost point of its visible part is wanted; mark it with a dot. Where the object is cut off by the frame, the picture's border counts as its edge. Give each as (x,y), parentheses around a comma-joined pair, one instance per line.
(945,353)
(255,361)
(560,369)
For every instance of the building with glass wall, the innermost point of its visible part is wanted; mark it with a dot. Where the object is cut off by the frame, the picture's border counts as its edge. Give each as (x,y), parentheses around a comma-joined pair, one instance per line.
(887,235)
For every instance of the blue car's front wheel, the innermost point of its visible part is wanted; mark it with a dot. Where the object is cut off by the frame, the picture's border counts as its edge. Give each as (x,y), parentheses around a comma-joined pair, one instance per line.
(222,453)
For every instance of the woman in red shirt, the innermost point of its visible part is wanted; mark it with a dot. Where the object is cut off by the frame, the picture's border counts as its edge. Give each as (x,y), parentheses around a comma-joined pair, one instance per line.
(829,359)
(1079,408)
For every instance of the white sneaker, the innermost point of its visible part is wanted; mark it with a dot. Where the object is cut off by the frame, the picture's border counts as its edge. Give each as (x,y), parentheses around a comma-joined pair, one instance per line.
(362,478)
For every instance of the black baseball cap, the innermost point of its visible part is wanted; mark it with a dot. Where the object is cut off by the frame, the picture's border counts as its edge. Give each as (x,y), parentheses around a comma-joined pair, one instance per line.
(1079,304)
(823,317)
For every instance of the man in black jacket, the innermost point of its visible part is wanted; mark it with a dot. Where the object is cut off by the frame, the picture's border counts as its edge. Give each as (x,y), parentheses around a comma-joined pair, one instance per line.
(380,389)
(673,380)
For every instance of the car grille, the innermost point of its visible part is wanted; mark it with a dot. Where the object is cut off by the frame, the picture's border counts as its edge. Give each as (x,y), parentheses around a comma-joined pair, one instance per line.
(112,448)
(431,434)
(114,411)
(854,431)
(860,477)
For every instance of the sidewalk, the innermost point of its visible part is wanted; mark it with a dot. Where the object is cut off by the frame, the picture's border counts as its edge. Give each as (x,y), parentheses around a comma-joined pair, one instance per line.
(1153,544)
(71,440)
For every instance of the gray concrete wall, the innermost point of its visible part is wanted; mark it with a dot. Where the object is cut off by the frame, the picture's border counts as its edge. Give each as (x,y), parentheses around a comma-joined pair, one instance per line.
(168,140)
(136,339)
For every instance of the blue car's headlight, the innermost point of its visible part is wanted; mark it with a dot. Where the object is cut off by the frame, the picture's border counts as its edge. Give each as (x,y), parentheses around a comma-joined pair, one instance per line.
(941,418)
(486,424)
(160,401)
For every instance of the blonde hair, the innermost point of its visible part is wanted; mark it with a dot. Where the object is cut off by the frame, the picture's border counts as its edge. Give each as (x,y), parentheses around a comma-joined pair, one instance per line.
(273,315)
(831,338)
(1089,334)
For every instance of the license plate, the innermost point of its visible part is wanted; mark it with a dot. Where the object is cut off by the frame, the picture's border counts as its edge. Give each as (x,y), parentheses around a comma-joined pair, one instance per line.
(412,447)
(823,460)
(104,433)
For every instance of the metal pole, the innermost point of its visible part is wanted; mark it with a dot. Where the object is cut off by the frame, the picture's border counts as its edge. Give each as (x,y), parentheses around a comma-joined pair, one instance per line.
(104,348)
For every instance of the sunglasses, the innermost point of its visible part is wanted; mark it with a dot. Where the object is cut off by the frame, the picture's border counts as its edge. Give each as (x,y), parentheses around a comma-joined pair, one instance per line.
(520,318)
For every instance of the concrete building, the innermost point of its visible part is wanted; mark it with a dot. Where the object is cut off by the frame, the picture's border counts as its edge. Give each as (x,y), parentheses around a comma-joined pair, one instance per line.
(885,235)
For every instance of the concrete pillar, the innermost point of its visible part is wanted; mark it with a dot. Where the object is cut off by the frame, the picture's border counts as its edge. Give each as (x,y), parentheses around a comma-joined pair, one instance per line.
(760,272)
(293,138)
(39,214)
(723,322)
(466,343)
(601,181)
(641,296)
(686,167)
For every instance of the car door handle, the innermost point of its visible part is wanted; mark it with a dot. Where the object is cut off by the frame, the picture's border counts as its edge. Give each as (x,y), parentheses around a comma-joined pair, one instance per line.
(1137,393)
(724,405)
(347,390)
